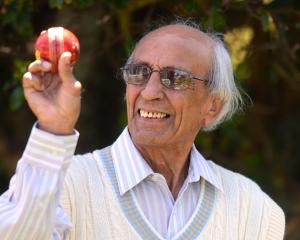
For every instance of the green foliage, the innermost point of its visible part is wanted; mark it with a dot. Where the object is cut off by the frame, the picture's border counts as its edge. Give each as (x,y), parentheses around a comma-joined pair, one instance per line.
(16,14)
(217,20)
(191,5)
(59,4)
(56,4)
(14,87)
(16,98)
(118,4)
(263,38)
(267,21)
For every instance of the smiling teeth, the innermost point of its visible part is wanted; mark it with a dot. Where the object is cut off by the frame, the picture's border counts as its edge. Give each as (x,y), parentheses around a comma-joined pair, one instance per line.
(146,114)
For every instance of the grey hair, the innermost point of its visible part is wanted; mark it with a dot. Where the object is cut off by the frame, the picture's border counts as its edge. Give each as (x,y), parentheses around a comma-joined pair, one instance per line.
(220,79)
(222,84)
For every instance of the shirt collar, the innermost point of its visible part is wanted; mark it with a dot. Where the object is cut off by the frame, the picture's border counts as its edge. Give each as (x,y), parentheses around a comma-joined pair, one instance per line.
(200,167)
(131,168)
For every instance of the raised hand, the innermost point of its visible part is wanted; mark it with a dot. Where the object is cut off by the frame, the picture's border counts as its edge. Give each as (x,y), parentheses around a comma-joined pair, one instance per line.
(54,98)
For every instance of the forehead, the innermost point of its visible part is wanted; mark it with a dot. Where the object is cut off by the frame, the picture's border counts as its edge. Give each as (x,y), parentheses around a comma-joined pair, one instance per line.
(179,46)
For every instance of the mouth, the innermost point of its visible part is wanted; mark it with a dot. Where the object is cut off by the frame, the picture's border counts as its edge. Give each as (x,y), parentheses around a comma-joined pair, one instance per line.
(152,114)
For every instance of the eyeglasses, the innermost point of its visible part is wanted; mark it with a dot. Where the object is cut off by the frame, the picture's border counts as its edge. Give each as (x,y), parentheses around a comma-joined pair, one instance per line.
(172,78)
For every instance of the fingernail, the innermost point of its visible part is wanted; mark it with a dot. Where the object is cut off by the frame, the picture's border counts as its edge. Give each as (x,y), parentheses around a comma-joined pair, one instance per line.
(77,84)
(27,76)
(67,54)
(67,57)
(46,65)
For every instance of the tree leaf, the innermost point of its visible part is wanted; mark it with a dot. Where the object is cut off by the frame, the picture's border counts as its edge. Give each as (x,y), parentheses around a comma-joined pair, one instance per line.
(16,98)
(56,4)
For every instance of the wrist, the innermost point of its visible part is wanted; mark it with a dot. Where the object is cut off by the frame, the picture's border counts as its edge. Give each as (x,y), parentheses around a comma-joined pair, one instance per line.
(57,130)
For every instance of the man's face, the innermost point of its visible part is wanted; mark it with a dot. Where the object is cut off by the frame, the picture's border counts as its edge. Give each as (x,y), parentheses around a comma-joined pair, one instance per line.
(177,115)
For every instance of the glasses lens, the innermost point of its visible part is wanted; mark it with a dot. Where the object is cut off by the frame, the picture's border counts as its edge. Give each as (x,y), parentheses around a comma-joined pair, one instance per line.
(136,73)
(175,79)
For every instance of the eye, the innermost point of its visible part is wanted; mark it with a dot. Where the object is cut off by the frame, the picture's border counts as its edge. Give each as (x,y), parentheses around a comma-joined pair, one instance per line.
(181,80)
(166,82)
(137,73)
(176,79)
(139,69)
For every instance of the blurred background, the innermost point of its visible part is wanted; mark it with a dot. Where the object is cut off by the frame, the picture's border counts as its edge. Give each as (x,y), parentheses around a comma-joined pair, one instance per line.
(263,37)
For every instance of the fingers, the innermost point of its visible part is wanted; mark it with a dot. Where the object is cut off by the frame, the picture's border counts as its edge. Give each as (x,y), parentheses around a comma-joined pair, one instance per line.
(65,69)
(39,76)
(66,74)
(77,86)
(39,66)
(32,81)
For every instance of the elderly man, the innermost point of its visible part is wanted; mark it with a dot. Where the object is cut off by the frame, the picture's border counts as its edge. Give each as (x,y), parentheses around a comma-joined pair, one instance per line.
(152,183)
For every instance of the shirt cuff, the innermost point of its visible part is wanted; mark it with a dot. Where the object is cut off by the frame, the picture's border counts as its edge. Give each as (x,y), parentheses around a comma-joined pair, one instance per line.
(49,150)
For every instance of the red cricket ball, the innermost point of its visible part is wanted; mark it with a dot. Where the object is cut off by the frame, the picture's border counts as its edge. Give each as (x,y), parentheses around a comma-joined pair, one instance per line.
(53,42)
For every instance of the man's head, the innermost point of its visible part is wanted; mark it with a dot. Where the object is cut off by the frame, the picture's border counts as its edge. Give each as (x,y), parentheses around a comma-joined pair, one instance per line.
(178,115)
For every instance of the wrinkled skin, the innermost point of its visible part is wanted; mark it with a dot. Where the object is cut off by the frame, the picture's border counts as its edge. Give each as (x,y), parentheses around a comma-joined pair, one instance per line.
(166,142)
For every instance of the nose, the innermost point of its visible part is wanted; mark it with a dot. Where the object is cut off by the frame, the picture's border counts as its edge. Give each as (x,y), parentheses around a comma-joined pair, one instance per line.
(153,90)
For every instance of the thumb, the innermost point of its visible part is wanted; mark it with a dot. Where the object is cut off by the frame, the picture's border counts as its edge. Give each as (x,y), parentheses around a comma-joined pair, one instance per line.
(66,74)
(65,69)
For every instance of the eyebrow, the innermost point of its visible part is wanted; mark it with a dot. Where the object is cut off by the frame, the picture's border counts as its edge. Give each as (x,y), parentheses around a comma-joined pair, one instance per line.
(137,61)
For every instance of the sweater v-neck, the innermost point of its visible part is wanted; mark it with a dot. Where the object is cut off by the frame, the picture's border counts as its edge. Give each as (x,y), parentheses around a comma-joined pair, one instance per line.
(135,216)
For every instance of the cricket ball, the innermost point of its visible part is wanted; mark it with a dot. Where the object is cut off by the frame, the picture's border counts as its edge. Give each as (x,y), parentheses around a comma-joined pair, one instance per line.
(53,42)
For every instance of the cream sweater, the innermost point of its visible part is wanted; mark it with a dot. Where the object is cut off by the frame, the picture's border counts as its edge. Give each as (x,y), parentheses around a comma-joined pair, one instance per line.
(242,211)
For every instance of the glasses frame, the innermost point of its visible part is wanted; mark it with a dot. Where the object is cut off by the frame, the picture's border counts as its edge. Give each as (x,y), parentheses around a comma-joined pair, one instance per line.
(160,71)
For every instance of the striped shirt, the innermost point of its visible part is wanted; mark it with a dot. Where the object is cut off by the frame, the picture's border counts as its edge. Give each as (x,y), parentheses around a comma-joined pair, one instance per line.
(29,209)
(150,189)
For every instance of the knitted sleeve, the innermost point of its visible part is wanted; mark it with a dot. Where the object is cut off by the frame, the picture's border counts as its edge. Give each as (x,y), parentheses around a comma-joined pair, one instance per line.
(259,217)
(265,219)
(276,223)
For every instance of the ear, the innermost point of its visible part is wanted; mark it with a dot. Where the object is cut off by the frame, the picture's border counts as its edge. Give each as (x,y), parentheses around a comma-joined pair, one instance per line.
(213,109)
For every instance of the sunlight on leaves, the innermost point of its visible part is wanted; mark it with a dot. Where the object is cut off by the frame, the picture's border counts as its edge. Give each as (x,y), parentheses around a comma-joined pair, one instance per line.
(267,22)
(266,2)
(239,39)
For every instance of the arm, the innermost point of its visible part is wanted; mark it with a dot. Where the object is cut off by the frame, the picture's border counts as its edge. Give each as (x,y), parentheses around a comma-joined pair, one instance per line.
(29,209)
(276,222)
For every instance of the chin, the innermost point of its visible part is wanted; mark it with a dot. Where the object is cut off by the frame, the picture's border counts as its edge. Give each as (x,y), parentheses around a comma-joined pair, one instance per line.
(147,137)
